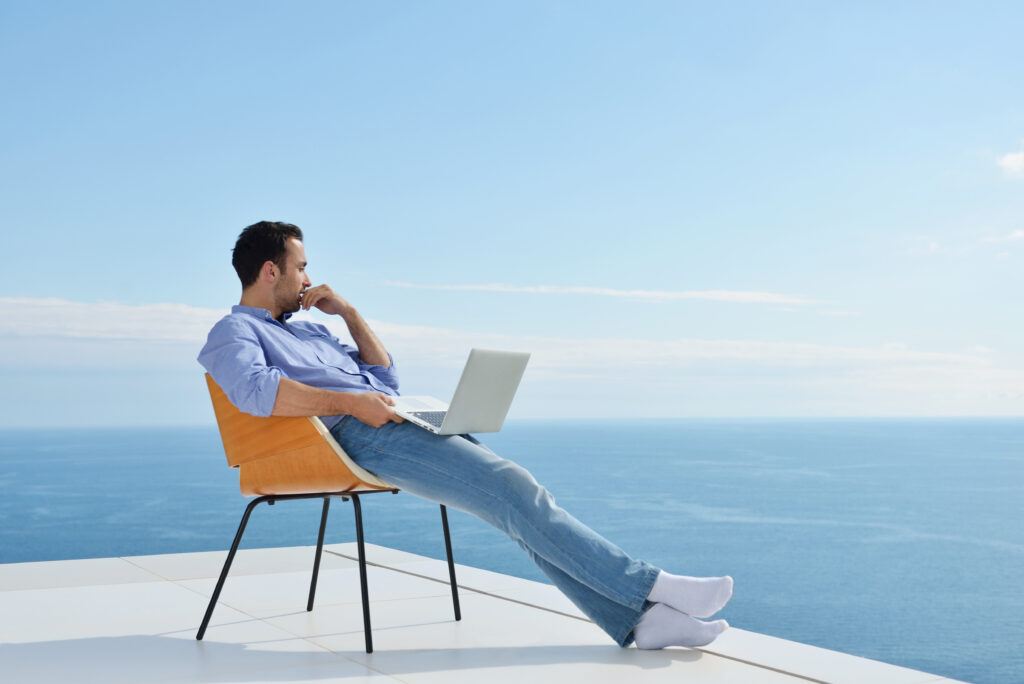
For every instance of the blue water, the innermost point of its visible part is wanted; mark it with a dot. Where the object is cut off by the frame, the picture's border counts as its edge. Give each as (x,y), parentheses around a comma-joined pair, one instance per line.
(899,540)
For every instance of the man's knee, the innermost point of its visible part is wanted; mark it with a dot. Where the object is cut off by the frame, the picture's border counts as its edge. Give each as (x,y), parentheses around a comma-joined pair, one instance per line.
(523,485)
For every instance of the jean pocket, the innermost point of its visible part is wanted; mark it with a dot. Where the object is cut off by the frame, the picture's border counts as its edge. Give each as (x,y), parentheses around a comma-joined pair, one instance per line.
(339,428)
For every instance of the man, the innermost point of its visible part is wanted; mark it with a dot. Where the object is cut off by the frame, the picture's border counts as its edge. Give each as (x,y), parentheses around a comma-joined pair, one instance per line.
(269,366)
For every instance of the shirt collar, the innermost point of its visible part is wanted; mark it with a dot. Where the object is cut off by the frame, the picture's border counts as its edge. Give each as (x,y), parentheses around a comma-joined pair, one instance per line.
(258,312)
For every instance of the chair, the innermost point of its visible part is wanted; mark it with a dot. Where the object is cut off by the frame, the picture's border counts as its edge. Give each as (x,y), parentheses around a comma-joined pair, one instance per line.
(283,458)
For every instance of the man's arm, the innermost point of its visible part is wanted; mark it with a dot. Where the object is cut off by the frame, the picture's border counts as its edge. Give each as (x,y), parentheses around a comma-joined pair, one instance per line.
(298,399)
(371,350)
(235,360)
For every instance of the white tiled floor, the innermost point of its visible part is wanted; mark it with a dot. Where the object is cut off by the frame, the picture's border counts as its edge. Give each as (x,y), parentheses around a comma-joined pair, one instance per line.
(182,566)
(134,620)
(71,573)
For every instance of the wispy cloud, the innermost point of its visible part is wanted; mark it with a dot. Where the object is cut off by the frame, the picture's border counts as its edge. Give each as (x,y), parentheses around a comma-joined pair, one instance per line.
(674,376)
(734,296)
(62,318)
(925,245)
(180,323)
(1012,236)
(1012,164)
(839,313)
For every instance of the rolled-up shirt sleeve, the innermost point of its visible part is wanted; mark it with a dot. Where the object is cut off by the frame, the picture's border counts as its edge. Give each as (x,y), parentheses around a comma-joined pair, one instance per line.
(235,360)
(386,374)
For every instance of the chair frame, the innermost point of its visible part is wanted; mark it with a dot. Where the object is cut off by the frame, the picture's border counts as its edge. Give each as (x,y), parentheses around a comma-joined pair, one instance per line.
(271,499)
(287,458)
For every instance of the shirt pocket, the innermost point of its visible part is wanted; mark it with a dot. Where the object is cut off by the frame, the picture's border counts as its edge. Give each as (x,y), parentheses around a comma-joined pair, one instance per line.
(328,351)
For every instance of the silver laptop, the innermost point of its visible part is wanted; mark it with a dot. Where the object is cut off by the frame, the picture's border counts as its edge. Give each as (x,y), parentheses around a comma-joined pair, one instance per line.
(482,399)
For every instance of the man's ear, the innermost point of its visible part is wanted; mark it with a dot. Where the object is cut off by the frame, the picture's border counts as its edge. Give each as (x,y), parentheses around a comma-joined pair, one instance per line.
(269,270)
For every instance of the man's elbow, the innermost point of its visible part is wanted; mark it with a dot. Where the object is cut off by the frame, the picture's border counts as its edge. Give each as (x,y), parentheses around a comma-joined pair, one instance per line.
(258,396)
(388,379)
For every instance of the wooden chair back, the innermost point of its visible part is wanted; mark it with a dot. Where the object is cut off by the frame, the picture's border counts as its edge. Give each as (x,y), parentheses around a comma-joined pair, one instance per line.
(285,455)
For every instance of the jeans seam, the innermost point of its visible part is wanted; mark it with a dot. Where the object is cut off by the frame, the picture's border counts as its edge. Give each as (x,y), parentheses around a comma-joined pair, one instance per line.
(573,561)
(620,638)
(623,637)
(429,467)
(580,570)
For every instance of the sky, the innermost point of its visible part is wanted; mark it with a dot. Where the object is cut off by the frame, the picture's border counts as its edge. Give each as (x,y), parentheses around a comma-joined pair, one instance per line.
(681,210)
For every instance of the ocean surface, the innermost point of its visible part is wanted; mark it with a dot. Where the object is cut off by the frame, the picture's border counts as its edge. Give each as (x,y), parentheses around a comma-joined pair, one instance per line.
(898,540)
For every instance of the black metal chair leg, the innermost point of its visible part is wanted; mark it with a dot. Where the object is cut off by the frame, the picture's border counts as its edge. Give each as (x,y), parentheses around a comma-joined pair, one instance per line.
(451,563)
(319,552)
(227,564)
(271,499)
(362,572)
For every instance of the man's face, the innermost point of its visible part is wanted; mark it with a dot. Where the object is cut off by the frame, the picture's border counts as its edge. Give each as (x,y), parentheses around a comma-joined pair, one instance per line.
(292,278)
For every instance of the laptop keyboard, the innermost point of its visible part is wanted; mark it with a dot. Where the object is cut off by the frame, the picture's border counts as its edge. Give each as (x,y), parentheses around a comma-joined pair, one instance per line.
(435,418)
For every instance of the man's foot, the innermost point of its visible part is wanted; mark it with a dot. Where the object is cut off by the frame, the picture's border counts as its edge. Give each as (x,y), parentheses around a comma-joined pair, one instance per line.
(697,596)
(663,626)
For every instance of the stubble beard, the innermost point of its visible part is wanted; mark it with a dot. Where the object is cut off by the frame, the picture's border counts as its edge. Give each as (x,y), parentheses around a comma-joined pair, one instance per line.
(288,304)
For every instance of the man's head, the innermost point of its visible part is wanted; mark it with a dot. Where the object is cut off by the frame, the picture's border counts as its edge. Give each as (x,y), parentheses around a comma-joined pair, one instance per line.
(271,263)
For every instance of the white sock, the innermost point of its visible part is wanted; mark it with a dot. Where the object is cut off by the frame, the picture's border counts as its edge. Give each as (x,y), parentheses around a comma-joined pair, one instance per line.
(697,596)
(662,626)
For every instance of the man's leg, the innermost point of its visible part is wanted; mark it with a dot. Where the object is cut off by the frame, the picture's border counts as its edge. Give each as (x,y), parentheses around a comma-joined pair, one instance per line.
(662,624)
(614,618)
(604,582)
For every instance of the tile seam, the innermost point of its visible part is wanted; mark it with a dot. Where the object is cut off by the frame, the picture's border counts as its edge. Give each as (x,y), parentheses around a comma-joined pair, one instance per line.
(576,617)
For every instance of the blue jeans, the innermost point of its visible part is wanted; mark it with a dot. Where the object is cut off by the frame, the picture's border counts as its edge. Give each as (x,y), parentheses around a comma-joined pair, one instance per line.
(458,471)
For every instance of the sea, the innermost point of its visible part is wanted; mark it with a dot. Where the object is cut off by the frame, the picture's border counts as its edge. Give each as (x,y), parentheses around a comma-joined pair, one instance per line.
(900,540)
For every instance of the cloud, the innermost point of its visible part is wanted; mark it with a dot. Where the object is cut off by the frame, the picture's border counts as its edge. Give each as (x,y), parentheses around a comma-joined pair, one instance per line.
(839,313)
(1012,164)
(734,296)
(926,245)
(1012,236)
(33,318)
(62,318)
(111,342)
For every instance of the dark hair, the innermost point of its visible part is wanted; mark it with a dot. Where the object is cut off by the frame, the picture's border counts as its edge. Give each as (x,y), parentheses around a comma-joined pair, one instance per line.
(259,243)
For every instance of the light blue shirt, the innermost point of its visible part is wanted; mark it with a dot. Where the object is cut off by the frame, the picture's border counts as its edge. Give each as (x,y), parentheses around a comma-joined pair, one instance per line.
(248,352)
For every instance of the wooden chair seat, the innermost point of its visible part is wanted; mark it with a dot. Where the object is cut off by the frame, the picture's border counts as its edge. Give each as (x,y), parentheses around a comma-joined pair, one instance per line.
(284,458)
(285,455)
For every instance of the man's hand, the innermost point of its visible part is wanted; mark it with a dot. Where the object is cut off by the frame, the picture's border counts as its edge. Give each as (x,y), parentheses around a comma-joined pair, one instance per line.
(371,351)
(374,409)
(325,299)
